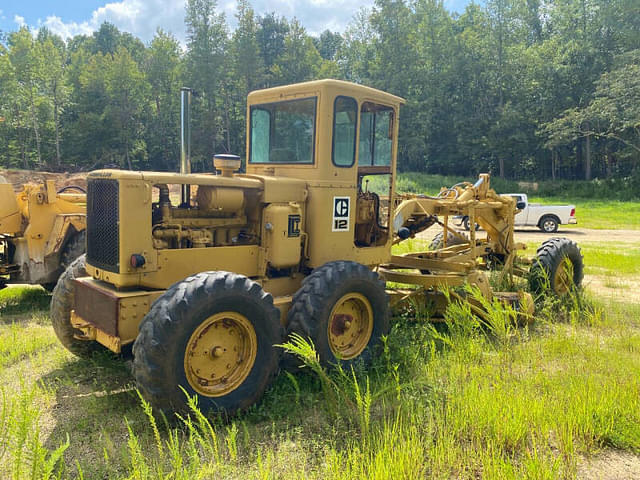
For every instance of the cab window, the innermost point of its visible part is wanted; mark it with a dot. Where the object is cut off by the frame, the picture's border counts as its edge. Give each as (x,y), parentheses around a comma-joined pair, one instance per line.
(376,135)
(345,114)
(283,132)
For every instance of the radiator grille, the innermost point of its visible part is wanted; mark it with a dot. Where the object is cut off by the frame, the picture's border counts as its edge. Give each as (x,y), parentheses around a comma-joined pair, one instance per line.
(102,224)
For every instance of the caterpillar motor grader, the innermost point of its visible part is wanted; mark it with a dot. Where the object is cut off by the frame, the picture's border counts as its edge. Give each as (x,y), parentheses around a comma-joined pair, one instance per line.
(41,232)
(204,286)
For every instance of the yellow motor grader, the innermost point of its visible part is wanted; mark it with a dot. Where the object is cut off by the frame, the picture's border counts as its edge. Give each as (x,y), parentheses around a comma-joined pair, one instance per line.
(201,289)
(41,232)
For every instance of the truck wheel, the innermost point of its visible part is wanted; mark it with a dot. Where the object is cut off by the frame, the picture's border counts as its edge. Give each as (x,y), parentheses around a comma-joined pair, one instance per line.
(60,310)
(437,243)
(74,247)
(558,265)
(212,334)
(548,224)
(467,224)
(342,307)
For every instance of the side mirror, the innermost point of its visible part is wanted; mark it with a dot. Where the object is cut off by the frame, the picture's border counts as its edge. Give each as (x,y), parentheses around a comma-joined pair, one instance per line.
(521,205)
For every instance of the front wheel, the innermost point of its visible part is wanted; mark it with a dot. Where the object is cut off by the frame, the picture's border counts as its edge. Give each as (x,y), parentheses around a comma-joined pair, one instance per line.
(342,307)
(62,301)
(212,334)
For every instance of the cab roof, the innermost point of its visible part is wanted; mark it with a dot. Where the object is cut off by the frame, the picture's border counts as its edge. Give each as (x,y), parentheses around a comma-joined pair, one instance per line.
(329,85)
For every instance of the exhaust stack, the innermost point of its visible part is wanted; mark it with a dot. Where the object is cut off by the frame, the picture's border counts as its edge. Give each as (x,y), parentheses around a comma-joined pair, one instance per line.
(185,141)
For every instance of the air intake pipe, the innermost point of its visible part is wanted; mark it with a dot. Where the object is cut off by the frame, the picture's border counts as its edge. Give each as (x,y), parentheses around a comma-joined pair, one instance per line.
(185,141)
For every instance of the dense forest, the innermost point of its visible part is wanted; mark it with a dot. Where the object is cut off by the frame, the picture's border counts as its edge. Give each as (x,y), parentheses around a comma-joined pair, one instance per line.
(527,89)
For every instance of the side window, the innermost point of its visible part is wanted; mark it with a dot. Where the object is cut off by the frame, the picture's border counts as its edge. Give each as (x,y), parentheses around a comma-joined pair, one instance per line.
(260,129)
(345,113)
(383,135)
(376,135)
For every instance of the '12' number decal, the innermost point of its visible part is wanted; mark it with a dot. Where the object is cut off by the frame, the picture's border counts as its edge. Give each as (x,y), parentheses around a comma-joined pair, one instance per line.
(341,210)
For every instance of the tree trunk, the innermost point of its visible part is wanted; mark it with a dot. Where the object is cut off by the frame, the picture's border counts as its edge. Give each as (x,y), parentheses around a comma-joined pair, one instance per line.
(35,127)
(126,155)
(554,161)
(57,126)
(587,158)
(501,166)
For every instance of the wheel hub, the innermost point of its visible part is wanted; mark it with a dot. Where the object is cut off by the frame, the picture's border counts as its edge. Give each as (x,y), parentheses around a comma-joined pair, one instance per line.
(350,326)
(563,277)
(220,354)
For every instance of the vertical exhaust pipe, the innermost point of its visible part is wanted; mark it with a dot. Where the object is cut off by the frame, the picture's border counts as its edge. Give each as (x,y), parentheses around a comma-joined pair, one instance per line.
(185,141)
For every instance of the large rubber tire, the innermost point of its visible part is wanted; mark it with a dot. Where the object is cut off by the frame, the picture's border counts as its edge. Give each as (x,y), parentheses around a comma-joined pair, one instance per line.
(75,246)
(549,264)
(60,310)
(438,241)
(160,349)
(314,302)
(548,224)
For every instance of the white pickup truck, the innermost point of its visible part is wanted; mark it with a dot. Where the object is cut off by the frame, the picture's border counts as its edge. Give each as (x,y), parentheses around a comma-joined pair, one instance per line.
(545,217)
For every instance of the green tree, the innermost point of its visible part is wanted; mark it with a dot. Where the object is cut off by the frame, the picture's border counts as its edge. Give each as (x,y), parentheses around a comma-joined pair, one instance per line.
(28,66)
(300,60)
(126,89)
(52,49)
(271,34)
(206,67)
(163,73)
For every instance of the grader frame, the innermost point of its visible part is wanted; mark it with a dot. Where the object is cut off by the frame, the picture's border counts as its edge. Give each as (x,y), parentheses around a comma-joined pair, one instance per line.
(200,291)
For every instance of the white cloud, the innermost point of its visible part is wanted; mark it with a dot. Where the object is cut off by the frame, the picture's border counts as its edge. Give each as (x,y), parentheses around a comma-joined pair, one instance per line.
(143,17)
(19,20)
(139,17)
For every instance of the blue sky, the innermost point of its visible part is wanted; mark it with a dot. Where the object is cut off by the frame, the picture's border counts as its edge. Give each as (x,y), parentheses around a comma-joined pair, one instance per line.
(142,17)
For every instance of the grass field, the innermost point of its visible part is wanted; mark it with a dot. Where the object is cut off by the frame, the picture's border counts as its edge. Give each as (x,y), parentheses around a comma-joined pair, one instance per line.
(461,402)
(464,401)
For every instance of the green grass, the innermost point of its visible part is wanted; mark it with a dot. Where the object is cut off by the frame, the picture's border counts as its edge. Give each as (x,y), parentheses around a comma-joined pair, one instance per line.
(17,300)
(466,401)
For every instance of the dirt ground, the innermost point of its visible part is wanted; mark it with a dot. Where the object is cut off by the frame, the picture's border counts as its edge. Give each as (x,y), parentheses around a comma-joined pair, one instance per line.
(19,177)
(579,235)
(610,465)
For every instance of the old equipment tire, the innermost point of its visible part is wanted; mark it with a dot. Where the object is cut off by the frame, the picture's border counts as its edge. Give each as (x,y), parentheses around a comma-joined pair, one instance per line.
(341,302)
(548,224)
(437,243)
(558,265)
(180,346)
(60,310)
(74,247)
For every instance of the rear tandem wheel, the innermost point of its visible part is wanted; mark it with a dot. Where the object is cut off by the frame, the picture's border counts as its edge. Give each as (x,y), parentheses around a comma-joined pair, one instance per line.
(342,307)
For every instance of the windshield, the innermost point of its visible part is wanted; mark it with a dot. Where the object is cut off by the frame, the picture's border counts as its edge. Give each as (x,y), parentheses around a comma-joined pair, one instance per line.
(283,132)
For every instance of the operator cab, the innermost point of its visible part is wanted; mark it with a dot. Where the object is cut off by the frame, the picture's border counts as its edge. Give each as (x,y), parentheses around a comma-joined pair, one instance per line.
(341,138)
